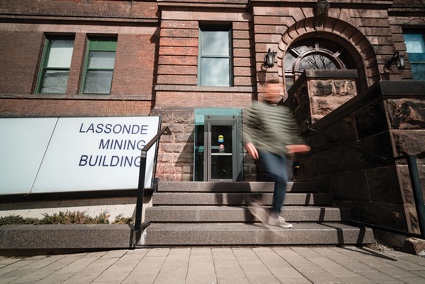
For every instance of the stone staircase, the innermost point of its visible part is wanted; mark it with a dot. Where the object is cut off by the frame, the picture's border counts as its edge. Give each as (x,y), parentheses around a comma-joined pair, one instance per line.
(216,213)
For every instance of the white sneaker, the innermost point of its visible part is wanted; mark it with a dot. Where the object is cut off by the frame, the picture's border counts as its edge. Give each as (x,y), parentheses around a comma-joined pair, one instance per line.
(259,212)
(276,220)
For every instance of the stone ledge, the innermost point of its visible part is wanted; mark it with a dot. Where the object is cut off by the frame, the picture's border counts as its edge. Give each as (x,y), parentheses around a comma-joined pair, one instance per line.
(186,88)
(65,237)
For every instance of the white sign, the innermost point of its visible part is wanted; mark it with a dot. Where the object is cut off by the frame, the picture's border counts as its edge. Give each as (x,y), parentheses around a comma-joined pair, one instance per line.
(23,143)
(83,154)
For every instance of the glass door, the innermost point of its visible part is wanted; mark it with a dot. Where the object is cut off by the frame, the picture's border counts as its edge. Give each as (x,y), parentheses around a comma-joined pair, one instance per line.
(220,149)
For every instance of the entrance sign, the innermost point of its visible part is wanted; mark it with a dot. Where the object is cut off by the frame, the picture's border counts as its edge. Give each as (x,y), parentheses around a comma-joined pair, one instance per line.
(81,154)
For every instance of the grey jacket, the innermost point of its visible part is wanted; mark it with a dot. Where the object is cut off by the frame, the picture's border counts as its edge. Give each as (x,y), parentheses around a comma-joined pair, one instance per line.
(270,128)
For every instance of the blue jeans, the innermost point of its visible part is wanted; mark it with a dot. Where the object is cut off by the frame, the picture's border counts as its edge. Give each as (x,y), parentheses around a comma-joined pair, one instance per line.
(274,167)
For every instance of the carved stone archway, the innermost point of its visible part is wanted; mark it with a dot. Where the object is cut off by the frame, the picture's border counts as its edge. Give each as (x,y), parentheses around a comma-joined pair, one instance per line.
(342,33)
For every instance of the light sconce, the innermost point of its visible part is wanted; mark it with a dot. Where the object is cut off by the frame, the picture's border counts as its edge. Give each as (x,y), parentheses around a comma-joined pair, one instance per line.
(269,59)
(397,59)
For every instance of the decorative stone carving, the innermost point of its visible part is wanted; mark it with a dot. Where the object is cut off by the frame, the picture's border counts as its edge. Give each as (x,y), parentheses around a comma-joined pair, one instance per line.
(332,87)
(327,95)
(317,93)
(320,11)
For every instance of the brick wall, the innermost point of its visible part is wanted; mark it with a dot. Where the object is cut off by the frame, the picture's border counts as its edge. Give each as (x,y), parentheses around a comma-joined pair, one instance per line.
(19,59)
(82,8)
(23,107)
(132,84)
(178,61)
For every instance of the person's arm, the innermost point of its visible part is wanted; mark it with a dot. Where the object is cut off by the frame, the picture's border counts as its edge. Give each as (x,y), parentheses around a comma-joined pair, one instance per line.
(297,148)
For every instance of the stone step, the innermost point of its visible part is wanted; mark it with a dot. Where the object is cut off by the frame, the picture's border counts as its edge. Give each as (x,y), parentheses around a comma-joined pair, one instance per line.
(190,234)
(206,186)
(241,214)
(237,199)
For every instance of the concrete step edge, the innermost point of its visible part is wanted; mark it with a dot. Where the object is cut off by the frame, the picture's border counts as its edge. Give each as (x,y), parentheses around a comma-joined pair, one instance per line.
(242,214)
(254,234)
(206,186)
(168,198)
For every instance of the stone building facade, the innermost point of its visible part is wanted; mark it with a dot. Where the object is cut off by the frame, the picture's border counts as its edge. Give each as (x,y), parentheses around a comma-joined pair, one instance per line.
(168,54)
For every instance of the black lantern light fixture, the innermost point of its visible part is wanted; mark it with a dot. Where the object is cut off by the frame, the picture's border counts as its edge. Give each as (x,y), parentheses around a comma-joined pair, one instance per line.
(397,59)
(269,59)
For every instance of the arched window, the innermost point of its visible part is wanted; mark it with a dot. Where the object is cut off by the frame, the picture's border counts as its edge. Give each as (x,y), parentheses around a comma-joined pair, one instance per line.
(313,53)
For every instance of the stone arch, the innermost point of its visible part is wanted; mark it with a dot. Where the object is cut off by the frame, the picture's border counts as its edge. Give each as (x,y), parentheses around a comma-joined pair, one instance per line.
(340,32)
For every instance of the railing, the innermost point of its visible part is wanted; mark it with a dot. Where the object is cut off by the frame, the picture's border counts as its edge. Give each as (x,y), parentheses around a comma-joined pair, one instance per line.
(142,176)
(413,173)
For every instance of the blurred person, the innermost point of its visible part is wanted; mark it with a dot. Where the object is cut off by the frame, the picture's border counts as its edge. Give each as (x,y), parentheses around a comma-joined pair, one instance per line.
(271,136)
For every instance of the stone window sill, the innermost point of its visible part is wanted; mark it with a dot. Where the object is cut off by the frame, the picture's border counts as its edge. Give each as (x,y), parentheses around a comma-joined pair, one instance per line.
(184,88)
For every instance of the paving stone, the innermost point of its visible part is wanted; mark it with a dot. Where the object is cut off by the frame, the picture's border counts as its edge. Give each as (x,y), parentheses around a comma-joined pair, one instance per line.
(158,252)
(92,271)
(119,271)
(407,265)
(229,272)
(147,269)
(356,266)
(333,267)
(270,258)
(394,271)
(175,267)
(258,274)
(194,265)
(306,252)
(379,277)
(56,278)
(419,273)
(201,266)
(223,253)
(77,265)
(412,280)
(285,272)
(233,281)
(40,271)
(7,261)
(371,260)
(226,262)
(21,268)
(321,277)
(355,279)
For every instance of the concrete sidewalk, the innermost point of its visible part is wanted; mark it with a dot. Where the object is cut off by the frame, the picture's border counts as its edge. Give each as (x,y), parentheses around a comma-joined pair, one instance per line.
(321,264)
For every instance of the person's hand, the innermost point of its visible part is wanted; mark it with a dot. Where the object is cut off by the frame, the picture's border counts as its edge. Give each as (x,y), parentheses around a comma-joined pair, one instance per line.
(252,150)
(297,148)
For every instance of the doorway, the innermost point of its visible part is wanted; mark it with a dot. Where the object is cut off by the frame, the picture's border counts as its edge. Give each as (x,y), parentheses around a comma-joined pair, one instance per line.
(217,149)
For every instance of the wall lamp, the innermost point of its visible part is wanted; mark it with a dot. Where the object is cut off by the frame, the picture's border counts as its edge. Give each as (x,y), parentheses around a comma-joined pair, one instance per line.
(397,59)
(269,59)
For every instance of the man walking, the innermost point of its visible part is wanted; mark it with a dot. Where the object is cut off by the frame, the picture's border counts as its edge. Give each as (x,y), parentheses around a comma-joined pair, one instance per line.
(270,135)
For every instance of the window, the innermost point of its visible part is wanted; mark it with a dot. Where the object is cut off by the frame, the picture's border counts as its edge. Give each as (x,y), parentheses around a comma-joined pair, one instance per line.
(313,54)
(215,59)
(56,62)
(99,66)
(415,45)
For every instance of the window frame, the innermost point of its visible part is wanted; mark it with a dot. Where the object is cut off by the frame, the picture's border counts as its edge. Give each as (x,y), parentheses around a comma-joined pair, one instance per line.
(413,63)
(215,28)
(101,45)
(320,47)
(48,41)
